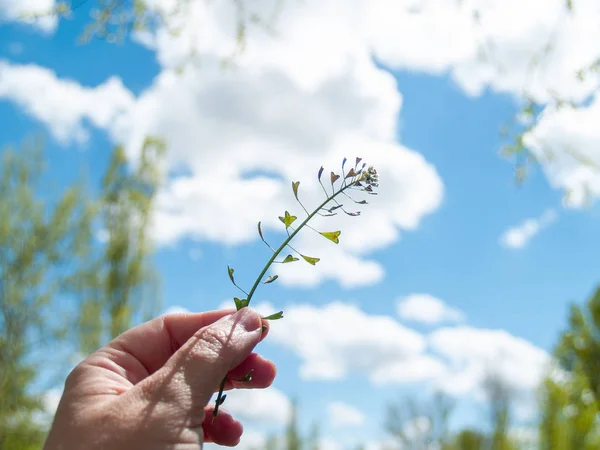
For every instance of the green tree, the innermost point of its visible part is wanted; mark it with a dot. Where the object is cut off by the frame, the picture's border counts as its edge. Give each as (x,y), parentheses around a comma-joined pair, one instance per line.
(314,437)
(121,282)
(420,425)
(293,438)
(41,245)
(499,398)
(554,427)
(570,401)
(469,440)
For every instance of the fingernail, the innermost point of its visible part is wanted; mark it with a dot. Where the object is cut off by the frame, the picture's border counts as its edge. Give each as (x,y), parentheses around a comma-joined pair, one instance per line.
(248,319)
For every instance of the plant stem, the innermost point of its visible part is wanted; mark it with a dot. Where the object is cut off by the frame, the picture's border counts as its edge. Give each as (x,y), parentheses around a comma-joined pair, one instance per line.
(290,237)
(270,262)
(218,402)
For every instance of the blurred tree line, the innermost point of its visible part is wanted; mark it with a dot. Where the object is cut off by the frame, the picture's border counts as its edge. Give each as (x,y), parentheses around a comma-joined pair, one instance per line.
(61,287)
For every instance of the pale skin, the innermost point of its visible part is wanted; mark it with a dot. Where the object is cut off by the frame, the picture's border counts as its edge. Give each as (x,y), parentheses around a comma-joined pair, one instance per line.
(150,387)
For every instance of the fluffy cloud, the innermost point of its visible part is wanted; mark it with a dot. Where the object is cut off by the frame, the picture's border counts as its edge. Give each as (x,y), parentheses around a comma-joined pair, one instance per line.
(472,354)
(239,158)
(314,95)
(567,142)
(427,309)
(25,10)
(269,406)
(251,440)
(174,310)
(64,105)
(338,338)
(533,50)
(342,415)
(518,237)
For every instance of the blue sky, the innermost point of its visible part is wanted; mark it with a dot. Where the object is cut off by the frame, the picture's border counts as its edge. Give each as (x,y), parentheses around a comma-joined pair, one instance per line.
(434,112)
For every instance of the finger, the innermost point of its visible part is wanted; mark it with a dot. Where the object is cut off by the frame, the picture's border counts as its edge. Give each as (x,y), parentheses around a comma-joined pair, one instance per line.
(154,342)
(224,430)
(263,373)
(190,377)
(142,350)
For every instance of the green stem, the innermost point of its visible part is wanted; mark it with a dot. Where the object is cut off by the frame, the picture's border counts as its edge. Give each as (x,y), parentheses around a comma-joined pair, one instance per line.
(290,237)
(217,404)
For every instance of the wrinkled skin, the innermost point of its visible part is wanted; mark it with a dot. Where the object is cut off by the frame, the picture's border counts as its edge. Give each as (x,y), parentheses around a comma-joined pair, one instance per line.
(150,388)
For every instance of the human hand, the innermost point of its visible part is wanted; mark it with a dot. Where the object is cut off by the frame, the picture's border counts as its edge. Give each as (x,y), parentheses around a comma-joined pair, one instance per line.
(150,387)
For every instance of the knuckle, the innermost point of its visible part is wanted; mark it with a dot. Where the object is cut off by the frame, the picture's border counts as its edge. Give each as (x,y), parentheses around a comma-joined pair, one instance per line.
(211,343)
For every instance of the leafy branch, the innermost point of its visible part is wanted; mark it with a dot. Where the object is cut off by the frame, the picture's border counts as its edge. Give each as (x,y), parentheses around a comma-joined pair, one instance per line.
(361,179)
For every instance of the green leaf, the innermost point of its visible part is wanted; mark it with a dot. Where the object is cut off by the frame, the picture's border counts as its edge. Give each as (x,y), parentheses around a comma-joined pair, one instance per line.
(248,377)
(260,232)
(230,272)
(358,160)
(363,202)
(351,173)
(333,208)
(288,219)
(334,177)
(311,260)
(289,259)
(320,173)
(240,303)
(295,185)
(333,236)
(271,279)
(275,316)
(570,5)
(222,400)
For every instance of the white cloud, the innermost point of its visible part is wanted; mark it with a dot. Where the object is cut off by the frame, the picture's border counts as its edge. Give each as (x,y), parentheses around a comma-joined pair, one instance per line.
(417,429)
(518,237)
(343,415)
(567,141)
(269,406)
(251,440)
(50,400)
(534,50)
(330,444)
(427,309)
(337,339)
(417,368)
(174,310)
(322,97)
(471,354)
(314,110)
(26,10)
(64,105)
(525,437)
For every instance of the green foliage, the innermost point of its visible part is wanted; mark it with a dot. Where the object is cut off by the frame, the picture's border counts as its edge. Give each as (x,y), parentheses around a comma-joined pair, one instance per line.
(119,282)
(275,316)
(469,440)
(293,439)
(41,244)
(420,424)
(570,401)
(499,398)
(333,236)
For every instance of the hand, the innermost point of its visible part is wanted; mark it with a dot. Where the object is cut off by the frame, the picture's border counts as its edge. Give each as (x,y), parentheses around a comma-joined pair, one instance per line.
(150,387)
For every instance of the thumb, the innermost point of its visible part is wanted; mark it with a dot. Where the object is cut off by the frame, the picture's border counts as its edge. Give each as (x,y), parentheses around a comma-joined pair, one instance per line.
(194,372)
